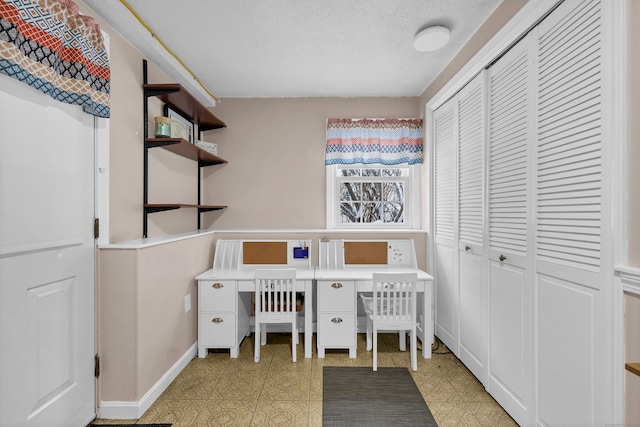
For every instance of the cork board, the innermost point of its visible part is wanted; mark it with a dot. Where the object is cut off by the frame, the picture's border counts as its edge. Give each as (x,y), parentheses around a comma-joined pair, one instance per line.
(365,252)
(264,252)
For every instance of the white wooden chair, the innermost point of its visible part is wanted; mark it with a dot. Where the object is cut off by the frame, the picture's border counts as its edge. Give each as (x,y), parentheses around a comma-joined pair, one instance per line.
(275,302)
(392,307)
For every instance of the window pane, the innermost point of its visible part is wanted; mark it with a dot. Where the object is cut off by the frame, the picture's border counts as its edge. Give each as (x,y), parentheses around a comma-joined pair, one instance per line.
(371,212)
(350,191)
(372,191)
(348,172)
(392,172)
(393,212)
(349,212)
(371,195)
(393,192)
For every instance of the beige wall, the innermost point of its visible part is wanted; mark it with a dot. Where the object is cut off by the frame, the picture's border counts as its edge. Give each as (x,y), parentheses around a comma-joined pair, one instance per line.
(632,302)
(632,354)
(274,147)
(275,175)
(275,178)
(126,133)
(142,327)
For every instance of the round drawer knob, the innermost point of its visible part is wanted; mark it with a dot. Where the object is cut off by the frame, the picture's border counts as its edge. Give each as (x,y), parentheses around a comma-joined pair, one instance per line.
(336,320)
(217,320)
(217,286)
(336,285)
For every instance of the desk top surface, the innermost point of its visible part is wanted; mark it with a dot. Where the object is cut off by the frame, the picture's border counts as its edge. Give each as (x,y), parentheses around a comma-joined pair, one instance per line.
(248,274)
(350,273)
(365,273)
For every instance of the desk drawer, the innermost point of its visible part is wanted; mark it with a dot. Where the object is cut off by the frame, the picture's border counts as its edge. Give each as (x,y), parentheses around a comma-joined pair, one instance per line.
(216,330)
(217,295)
(336,295)
(336,330)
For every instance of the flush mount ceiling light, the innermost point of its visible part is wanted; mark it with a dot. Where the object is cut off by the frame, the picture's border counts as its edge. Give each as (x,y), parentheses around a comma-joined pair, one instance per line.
(431,38)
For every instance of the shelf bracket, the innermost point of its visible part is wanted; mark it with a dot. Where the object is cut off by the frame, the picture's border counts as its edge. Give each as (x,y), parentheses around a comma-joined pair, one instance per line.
(152,209)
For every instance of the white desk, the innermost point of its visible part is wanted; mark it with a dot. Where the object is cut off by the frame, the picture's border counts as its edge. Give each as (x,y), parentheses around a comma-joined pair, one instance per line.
(362,278)
(240,284)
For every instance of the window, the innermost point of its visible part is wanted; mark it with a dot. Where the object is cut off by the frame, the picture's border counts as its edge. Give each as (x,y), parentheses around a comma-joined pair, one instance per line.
(373,172)
(372,196)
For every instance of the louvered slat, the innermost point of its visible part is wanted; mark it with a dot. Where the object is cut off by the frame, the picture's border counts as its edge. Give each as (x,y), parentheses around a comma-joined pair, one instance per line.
(470,162)
(444,140)
(508,127)
(569,141)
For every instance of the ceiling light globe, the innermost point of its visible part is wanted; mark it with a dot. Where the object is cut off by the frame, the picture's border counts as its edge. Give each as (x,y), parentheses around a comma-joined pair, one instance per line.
(431,38)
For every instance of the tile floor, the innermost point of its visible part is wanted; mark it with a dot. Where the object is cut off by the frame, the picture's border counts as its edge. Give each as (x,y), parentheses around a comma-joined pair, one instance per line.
(220,391)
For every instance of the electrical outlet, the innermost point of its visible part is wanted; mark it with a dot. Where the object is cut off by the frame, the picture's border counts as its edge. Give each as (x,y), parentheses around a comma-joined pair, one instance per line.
(187,303)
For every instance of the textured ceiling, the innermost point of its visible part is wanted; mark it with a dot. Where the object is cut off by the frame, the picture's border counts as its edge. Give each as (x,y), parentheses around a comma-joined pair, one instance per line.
(303,48)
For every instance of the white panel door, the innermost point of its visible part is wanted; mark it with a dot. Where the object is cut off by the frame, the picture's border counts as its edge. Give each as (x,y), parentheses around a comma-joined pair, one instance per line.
(509,347)
(472,278)
(565,328)
(510,139)
(445,214)
(569,280)
(46,260)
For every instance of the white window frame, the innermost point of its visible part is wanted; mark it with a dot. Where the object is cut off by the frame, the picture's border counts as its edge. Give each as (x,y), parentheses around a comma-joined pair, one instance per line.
(411,202)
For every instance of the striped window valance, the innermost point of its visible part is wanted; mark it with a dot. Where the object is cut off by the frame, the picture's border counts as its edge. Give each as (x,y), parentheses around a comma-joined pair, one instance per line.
(369,141)
(50,46)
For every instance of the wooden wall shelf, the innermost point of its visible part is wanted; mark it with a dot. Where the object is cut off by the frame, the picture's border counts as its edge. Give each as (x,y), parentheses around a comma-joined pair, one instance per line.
(178,97)
(184,148)
(633,368)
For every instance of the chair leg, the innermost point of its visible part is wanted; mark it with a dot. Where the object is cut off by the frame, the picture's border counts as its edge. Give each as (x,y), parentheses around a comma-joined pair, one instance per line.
(414,349)
(375,349)
(294,339)
(256,350)
(264,335)
(369,327)
(402,337)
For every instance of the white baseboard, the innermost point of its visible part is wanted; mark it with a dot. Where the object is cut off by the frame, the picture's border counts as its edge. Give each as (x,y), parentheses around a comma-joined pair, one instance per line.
(116,410)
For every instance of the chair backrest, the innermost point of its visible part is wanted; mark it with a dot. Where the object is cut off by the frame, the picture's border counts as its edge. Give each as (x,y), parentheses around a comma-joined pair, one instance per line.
(275,291)
(394,296)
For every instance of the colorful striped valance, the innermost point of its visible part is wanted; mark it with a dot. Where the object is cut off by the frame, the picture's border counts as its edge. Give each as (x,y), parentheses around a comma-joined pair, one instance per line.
(368,141)
(51,47)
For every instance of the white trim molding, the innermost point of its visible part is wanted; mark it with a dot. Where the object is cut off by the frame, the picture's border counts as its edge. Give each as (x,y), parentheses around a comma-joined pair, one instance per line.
(630,279)
(135,410)
(614,130)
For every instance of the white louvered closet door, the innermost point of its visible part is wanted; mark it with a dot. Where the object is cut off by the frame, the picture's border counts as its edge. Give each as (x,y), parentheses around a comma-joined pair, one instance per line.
(445,184)
(472,280)
(510,138)
(445,220)
(569,215)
